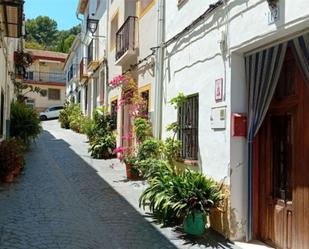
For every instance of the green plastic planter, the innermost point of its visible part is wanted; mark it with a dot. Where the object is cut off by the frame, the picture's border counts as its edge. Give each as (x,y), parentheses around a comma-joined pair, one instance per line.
(195,223)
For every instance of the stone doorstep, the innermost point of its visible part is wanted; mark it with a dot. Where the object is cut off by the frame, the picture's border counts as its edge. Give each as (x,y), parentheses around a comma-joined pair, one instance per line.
(255,244)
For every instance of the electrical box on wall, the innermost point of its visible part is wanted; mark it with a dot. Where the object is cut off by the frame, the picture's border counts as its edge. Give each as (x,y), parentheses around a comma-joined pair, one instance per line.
(239,125)
(218,117)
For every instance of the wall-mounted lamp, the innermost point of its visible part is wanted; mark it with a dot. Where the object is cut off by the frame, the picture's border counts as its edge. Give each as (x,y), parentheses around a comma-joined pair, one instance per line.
(92,25)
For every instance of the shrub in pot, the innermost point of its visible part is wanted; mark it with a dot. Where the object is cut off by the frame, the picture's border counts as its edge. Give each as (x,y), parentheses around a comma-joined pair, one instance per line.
(188,196)
(25,123)
(11,158)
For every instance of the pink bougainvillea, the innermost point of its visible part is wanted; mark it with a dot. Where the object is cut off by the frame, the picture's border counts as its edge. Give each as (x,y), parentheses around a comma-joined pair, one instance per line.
(118,80)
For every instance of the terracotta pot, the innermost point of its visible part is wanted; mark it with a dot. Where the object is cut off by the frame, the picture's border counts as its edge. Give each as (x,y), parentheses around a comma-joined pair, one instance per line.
(9,178)
(131,175)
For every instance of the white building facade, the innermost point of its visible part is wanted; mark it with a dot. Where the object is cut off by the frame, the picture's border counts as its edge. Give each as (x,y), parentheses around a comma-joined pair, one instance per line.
(205,50)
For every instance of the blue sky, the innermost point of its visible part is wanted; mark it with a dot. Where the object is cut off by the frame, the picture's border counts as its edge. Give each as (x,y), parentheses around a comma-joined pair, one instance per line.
(62,11)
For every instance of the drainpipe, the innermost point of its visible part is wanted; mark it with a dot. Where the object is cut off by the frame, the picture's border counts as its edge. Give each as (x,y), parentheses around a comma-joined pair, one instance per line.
(106,54)
(159,71)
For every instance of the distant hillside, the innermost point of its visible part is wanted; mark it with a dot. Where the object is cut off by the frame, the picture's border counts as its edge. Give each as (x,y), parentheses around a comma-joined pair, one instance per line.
(42,33)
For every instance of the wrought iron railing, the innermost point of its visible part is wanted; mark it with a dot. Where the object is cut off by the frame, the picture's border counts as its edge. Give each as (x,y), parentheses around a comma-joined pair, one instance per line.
(125,37)
(58,77)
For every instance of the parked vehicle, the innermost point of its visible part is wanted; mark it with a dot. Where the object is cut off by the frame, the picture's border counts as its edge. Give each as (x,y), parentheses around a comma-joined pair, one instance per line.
(51,112)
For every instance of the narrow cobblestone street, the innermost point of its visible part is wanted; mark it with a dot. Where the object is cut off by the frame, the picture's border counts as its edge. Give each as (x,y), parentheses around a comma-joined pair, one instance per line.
(64,199)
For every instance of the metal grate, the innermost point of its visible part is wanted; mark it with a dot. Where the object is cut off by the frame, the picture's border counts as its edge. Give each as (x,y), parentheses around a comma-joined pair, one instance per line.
(188,128)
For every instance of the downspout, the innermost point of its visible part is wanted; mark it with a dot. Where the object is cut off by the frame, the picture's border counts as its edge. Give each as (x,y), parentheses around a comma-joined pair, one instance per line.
(159,71)
(106,54)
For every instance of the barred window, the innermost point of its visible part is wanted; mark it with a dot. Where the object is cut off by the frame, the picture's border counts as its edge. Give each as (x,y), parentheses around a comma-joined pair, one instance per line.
(53,94)
(188,128)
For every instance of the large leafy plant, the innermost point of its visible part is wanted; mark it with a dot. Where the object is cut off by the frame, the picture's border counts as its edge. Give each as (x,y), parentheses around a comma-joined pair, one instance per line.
(102,147)
(142,129)
(171,196)
(25,123)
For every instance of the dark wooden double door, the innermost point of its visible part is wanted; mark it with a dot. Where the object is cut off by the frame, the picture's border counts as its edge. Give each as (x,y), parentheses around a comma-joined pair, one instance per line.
(281,171)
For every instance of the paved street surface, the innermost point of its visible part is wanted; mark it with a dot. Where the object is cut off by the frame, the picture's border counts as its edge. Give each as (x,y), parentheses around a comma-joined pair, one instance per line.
(64,199)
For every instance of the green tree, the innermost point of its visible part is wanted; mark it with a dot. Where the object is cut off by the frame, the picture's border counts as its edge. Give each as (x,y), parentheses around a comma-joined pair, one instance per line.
(42,33)
(42,30)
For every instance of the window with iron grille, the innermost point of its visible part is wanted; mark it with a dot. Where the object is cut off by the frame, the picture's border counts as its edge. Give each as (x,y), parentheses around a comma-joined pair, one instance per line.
(188,128)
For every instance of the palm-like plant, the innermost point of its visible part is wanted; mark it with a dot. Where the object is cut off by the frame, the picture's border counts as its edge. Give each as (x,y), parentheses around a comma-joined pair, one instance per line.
(172,196)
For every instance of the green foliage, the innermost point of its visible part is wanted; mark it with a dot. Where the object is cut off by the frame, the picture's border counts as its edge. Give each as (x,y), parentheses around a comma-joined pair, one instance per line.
(178,100)
(100,133)
(101,147)
(87,127)
(171,149)
(42,33)
(149,168)
(174,127)
(171,196)
(71,115)
(142,129)
(42,30)
(103,122)
(25,123)
(149,148)
(11,155)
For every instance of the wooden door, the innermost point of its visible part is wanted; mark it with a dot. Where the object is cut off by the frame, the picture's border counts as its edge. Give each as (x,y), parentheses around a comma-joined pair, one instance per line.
(282,164)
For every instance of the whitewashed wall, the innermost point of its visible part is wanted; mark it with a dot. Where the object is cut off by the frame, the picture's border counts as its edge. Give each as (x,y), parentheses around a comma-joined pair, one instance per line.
(195,61)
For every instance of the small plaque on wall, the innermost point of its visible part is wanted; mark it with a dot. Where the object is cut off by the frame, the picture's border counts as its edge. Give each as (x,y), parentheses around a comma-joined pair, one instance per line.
(219,90)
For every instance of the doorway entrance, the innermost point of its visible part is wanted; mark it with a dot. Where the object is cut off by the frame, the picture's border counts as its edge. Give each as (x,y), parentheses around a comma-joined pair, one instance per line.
(281,164)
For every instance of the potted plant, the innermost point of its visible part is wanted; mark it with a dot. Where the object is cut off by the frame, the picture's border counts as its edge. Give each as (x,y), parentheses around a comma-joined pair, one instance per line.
(187,196)
(132,171)
(11,159)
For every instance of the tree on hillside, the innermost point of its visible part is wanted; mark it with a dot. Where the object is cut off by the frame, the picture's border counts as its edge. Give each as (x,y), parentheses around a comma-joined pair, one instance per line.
(42,33)
(42,30)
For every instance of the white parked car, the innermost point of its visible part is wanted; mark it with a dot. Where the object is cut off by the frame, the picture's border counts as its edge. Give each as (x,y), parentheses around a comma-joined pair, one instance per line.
(51,112)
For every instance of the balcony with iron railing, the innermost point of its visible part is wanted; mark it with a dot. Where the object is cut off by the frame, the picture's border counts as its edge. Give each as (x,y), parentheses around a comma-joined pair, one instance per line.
(44,77)
(125,41)
(93,63)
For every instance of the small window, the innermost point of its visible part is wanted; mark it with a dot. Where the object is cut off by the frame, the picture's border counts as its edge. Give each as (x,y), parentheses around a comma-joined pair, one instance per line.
(188,128)
(114,29)
(114,109)
(53,94)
